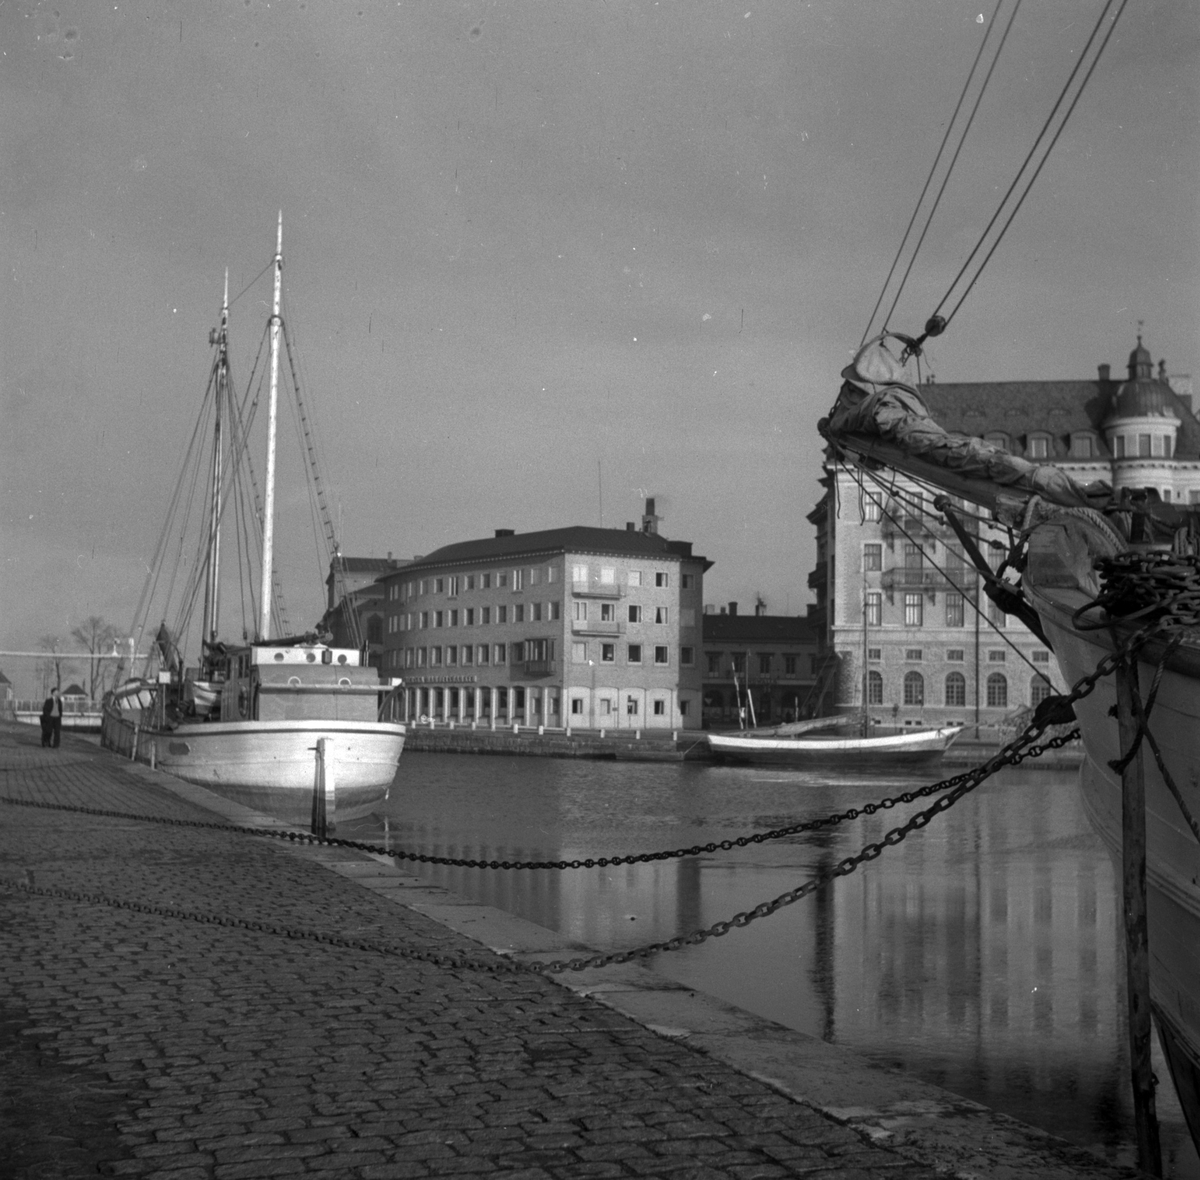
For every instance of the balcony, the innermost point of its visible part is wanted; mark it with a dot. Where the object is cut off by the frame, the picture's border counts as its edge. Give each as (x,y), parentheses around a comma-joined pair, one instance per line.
(597,590)
(533,668)
(927,580)
(597,627)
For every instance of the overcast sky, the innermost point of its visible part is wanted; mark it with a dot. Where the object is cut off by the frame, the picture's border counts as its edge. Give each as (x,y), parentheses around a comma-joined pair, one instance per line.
(542,259)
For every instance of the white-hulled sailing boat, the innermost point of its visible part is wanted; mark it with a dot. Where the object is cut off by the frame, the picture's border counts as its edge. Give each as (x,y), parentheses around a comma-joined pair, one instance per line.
(266,723)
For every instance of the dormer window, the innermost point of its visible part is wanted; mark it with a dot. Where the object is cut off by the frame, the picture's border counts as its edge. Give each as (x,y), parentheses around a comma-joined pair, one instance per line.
(1082,446)
(1039,446)
(997,439)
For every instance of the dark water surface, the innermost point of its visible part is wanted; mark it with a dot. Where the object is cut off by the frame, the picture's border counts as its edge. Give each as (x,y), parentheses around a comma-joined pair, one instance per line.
(981,954)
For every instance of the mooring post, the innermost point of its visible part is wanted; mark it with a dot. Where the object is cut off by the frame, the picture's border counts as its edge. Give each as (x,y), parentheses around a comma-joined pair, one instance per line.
(325,791)
(1137,942)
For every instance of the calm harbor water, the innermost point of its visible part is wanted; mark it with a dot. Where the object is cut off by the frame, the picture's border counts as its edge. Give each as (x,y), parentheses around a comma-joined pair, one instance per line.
(981,954)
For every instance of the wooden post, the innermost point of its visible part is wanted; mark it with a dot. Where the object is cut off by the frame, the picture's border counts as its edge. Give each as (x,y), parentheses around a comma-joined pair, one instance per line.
(1137,943)
(324,791)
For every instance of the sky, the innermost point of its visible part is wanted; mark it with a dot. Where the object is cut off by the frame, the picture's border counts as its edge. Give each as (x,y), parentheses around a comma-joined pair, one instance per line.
(542,260)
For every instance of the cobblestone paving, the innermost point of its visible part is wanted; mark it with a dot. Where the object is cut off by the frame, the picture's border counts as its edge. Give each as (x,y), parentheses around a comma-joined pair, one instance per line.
(135,1045)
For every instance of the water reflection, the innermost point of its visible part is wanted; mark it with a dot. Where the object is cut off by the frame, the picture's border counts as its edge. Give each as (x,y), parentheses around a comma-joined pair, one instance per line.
(981,953)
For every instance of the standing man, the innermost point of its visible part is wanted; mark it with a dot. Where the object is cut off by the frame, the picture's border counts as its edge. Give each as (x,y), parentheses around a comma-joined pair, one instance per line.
(52,719)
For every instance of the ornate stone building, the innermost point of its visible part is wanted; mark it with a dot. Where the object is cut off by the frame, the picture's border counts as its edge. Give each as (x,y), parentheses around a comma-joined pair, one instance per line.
(913,634)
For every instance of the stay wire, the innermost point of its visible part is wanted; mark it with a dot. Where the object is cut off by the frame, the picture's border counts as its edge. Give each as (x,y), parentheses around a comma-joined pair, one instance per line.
(966,598)
(1032,151)
(962,140)
(932,172)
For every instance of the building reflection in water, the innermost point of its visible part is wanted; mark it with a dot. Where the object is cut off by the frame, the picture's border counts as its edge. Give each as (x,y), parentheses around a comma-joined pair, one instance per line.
(982,953)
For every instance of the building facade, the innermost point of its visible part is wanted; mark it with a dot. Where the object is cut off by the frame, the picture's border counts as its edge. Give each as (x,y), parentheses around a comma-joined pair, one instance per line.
(354,615)
(582,627)
(916,640)
(762,669)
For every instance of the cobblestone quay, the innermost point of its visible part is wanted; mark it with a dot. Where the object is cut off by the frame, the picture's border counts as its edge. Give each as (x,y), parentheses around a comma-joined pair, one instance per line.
(159,1045)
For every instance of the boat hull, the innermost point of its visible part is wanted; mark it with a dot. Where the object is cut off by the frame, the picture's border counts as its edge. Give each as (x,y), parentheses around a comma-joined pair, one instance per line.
(1172,853)
(907,748)
(271,766)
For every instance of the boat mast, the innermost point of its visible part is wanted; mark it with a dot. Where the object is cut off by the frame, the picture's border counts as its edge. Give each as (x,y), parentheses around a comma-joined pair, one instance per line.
(268,596)
(866,675)
(212,605)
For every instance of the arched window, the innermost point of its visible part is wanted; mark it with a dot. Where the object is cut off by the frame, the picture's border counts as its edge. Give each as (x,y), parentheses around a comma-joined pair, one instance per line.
(997,691)
(1039,689)
(874,688)
(956,689)
(914,688)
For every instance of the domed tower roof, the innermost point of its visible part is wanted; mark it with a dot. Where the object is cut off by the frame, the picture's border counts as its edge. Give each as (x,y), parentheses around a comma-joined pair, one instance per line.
(1143,395)
(1140,364)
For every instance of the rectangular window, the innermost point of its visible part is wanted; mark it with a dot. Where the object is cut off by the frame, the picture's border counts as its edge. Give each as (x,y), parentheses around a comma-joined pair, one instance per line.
(714,662)
(687,656)
(453,586)
(996,616)
(578,653)
(737,661)
(1143,445)
(439,585)
(913,557)
(635,577)
(470,581)
(501,653)
(789,665)
(872,507)
(439,618)
(608,653)
(468,654)
(422,657)
(470,612)
(579,573)
(519,612)
(518,580)
(421,586)
(502,614)
(1081,446)
(1119,447)
(660,708)
(997,656)
(454,618)
(502,580)
(550,574)
(914,610)
(485,581)
(873,556)
(955,610)
(631,706)
(635,653)
(424,618)
(408,657)
(533,577)
(912,653)
(435,656)
(608,577)
(555,611)
(452,655)
(518,653)
(764,663)
(875,654)
(683,708)
(687,581)
(537,612)
(635,613)
(660,614)
(606,707)
(874,608)
(1039,448)
(661,579)
(1041,657)
(608,612)
(484,652)
(956,655)
(577,706)
(662,654)
(579,611)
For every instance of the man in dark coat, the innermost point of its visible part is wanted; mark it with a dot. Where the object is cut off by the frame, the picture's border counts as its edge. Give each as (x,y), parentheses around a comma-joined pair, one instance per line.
(52,719)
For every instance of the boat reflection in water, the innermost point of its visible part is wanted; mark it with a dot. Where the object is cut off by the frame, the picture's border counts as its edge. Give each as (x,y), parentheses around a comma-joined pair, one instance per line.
(980,954)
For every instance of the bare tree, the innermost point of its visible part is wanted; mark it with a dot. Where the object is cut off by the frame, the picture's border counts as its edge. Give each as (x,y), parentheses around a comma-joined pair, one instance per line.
(98,638)
(51,668)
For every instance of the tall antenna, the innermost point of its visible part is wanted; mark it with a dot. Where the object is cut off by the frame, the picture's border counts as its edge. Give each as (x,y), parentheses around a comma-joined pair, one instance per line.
(600,491)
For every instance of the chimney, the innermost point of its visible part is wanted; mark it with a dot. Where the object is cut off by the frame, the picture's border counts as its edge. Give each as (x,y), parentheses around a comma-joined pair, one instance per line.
(505,532)
(630,527)
(1104,372)
(724,610)
(649,519)
(389,555)
(733,608)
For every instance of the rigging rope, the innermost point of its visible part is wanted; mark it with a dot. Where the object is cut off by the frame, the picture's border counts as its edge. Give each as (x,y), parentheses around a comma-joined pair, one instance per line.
(1029,156)
(954,160)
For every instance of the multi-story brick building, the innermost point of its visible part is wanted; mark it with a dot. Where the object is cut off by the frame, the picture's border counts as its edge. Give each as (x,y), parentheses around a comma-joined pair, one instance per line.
(912,631)
(577,626)
(762,669)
